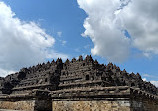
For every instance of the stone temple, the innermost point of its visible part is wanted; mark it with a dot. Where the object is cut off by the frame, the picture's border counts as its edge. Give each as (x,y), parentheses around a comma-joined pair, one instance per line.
(77,85)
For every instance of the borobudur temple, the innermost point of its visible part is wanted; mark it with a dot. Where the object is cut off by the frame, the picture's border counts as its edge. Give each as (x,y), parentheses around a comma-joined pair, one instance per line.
(77,85)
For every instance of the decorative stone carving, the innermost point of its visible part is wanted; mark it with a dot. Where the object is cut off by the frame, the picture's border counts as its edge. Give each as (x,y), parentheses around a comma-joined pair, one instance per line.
(80,73)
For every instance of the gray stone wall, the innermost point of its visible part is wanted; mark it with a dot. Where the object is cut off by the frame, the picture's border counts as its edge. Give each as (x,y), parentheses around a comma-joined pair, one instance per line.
(100,105)
(144,105)
(104,105)
(26,105)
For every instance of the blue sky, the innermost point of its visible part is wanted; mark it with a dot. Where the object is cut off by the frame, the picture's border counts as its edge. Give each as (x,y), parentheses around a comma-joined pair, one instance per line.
(56,16)
(65,21)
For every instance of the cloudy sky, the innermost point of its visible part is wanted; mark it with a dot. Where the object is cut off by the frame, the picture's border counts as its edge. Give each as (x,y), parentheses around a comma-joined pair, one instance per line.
(124,32)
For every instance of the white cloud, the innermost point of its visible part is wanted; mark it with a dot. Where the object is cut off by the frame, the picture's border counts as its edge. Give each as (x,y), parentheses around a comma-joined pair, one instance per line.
(63,42)
(108,18)
(54,55)
(150,76)
(77,50)
(140,18)
(59,34)
(147,75)
(5,72)
(102,27)
(155,83)
(21,43)
(144,79)
(87,46)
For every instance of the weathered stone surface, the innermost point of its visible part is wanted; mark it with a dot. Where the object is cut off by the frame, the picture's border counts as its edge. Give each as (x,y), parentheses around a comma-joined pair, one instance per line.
(144,105)
(71,74)
(76,83)
(36,100)
(116,98)
(105,105)
(91,105)
(27,105)
(43,105)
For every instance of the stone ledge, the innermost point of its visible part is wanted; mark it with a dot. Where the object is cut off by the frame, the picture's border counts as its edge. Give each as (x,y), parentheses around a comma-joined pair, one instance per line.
(83,83)
(101,93)
(36,93)
(32,86)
